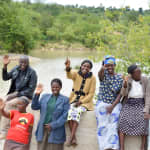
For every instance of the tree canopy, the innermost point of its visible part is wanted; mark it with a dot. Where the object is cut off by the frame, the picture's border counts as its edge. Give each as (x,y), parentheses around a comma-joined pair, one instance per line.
(123,32)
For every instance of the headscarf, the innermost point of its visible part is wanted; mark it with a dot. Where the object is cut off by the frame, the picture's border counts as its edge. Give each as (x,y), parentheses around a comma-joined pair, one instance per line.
(131,68)
(109,60)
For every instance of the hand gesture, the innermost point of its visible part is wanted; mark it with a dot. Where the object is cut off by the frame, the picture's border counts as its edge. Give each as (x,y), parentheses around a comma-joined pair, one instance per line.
(67,63)
(109,109)
(125,81)
(77,104)
(126,78)
(6,60)
(39,89)
(47,126)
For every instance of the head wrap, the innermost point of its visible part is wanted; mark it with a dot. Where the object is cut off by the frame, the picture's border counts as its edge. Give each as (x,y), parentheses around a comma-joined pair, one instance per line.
(24,99)
(109,60)
(131,68)
(87,61)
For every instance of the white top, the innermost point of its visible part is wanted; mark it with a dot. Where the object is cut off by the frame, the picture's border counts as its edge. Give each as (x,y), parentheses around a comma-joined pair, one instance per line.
(136,90)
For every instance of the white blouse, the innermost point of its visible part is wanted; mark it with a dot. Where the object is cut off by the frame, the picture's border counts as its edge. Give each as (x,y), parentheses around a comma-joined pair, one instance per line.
(136,90)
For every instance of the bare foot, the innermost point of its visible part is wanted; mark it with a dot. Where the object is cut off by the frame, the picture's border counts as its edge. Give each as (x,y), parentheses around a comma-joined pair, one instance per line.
(74,142)
(69,142)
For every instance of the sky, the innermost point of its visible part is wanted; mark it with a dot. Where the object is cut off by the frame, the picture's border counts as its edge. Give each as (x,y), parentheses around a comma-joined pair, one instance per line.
(107,3)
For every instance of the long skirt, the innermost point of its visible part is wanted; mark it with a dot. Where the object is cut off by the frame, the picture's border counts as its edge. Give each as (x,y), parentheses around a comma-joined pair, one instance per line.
(12,145)
(44,145)
(132,120)
(107,126)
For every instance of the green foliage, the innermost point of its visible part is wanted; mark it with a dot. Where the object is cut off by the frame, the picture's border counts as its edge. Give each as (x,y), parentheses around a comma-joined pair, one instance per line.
(16,31)
(129,45)
(123,33)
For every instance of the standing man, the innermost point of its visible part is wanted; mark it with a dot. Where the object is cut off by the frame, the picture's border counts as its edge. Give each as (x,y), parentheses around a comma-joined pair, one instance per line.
(23,83)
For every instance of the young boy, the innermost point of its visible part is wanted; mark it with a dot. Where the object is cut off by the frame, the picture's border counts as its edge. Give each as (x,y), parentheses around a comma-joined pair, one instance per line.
(20,131)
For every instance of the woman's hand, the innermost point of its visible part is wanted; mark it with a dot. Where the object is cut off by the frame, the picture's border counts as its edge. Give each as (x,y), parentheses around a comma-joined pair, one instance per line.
(125,82)
(146,116)
(6,60)
(47,126)
(110,109)
(39,89)
(67,63)
(78,104)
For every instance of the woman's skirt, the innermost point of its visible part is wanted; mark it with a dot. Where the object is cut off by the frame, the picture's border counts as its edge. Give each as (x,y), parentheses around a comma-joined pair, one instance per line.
(107,126)
(132,120)
(44,145)
(75,113)
(10,145)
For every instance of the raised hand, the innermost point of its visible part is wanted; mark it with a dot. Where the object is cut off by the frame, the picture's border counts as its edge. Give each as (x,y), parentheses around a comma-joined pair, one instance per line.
(109,109)
(39,89)
(67,63)
(125,81)
(126,78)
(6,60)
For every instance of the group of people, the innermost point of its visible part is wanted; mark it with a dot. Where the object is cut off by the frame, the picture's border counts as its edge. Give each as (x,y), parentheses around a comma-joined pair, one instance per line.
(122,106)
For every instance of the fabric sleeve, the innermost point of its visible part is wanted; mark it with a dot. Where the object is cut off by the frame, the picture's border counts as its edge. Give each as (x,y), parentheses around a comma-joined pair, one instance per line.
(91,93)
(36,105)
(7,75)
(71,74)
(147,97)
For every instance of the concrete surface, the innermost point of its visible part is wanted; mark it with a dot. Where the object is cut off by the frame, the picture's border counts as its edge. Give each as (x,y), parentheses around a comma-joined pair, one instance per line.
(86,135)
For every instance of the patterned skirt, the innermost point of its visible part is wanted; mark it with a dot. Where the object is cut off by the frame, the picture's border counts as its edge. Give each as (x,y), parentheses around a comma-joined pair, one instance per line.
(74,113)
(107,126)
(132,120)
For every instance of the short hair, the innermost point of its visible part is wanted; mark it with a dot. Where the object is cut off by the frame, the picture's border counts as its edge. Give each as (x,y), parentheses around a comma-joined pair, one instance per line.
(131,68)
(57,80)
(87,61)
(24,99)
(25,57)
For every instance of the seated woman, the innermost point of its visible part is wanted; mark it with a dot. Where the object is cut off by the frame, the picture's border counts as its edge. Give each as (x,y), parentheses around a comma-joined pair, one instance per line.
(81,98)
(20,131)
(108,107)
(136,93)
(50,133)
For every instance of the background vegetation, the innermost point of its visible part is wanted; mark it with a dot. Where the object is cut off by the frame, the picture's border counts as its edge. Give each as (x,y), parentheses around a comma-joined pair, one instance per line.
(123,32)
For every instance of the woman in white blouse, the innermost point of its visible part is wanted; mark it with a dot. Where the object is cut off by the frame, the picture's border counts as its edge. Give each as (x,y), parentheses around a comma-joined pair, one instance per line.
(133,117)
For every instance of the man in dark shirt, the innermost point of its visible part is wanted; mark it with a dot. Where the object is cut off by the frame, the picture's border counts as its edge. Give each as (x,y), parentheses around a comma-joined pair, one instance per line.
(23,83)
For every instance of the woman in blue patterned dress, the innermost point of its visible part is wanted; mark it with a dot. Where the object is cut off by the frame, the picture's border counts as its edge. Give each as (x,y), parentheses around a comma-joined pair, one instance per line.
(108,107)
